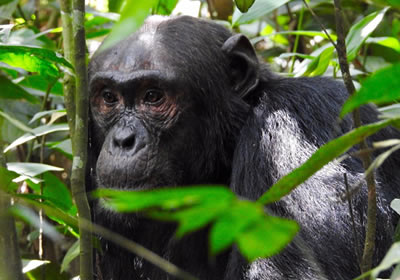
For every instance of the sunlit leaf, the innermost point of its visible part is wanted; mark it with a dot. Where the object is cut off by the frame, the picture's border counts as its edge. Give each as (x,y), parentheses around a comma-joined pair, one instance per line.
(382,87)
(395,204)
(28,265)
(244,5)
(266,237)
(129,201)
(30,169)
(240,216)
(322,156)
(360,31)
(164,7)
(257,10)
(32,59)
(36,132)
(389,42)
(319,64)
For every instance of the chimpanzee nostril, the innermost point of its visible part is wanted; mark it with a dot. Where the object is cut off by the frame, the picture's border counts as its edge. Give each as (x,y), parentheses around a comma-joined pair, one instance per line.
(124,139)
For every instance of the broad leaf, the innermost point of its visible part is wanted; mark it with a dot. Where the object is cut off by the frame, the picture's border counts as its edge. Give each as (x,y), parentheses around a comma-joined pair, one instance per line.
(171,198)
(257,10)
(360,31)
(165,7)
(319,64)
(6,180)
(32,59)
(322,156)
(36,132)
(27,170)
(382,87)
(9,90)
(266,237)
(239,216)
(28,265)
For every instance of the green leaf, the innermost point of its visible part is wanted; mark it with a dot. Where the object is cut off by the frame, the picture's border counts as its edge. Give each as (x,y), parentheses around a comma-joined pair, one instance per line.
(130,201)
(27,170)
(64,147)
(266,237)
(319,64)
(244,5)
(199,216)
(57,192)
(382,87)
(6,180)
(15,122)
(36,132)
(132,17)
(389,42)
(33,59)
(360,31)
(41,114)
(226,229)
(41,83)
(9,90)
(257,10)
(165,7)
(71,254)
(322,156)
(392,257)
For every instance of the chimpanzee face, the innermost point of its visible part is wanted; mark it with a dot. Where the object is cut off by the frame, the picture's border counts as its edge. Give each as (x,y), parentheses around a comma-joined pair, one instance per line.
(162,106)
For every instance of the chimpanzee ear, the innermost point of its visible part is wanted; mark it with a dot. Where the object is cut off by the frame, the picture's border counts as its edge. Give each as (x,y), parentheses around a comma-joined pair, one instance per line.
(243,63)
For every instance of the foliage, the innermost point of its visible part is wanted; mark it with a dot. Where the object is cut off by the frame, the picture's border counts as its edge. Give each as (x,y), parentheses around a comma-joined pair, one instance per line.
(34,132)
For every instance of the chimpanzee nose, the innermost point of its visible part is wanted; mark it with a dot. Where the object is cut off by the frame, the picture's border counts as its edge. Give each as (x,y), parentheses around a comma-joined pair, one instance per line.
(124,139)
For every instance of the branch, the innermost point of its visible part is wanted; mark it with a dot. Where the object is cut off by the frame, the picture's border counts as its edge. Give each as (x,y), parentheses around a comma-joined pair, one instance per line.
(81,139)
(69,80)
(76,98)
(369,245)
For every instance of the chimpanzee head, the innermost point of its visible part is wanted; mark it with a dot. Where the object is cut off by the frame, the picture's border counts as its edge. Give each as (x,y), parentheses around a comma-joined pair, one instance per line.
(168,102)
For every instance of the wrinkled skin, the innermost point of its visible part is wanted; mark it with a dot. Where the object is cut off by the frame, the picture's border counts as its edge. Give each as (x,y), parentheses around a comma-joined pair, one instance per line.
(183,101)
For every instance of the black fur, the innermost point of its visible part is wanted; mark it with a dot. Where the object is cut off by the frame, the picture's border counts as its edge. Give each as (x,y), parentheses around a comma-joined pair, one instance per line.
(235,123)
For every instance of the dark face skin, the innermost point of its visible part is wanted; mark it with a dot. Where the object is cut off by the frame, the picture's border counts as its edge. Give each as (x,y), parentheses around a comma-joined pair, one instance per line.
(162,107)
(135,104)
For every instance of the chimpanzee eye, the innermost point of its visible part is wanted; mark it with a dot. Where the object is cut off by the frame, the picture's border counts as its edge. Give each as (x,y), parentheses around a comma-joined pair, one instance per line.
(109,97)
(153,97)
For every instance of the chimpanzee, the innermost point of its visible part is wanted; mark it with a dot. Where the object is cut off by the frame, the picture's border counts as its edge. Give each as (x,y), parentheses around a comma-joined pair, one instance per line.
(183,101)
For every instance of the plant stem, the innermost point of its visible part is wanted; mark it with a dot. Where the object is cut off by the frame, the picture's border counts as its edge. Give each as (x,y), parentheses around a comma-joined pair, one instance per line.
(369,244)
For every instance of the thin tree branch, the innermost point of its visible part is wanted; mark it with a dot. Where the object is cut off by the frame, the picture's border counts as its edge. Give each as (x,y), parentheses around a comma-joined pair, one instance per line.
(69,80)
(320,23)
(80,139)
(369,245)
